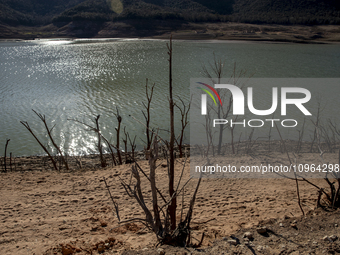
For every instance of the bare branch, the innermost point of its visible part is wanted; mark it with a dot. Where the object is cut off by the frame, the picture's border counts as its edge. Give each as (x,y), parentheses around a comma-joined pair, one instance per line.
(5,156)
(115,204)
(43,119)
(26,125)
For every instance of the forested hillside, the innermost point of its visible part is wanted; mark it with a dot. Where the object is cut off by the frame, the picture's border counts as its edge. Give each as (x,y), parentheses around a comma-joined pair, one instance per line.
(39,12)
(32,12)
(307,12)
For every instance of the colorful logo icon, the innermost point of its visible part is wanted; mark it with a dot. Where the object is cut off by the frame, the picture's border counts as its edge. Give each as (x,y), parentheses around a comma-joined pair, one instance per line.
(209,93)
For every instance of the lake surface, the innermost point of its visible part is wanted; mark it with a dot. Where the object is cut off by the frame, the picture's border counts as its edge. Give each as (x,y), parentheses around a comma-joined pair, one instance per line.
(81,79)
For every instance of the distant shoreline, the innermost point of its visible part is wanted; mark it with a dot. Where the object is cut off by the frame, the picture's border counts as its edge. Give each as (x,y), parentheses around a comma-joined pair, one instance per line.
(318,34)
(183,39)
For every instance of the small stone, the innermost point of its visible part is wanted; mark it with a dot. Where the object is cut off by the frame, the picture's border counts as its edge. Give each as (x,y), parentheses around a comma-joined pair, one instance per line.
(315,243)
(281,225)
(101,248)
(103,224)
(66,251)
(293,225)
(261,230)
(232,242)
(160,251)
(335,225)
(325,238)
(248,235)
(260,248)
(333,237)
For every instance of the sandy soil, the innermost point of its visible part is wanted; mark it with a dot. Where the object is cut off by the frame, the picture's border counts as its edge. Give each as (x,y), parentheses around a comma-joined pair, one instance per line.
(49,212)
(316,233)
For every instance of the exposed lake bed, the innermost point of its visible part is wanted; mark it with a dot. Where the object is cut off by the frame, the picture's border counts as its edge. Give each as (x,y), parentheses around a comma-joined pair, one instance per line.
(49,212)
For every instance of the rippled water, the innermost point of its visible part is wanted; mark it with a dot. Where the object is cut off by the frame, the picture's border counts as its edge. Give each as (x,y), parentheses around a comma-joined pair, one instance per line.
(84,78)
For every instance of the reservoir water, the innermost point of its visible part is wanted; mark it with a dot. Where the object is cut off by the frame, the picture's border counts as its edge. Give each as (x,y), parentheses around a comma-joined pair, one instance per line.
(80,79)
